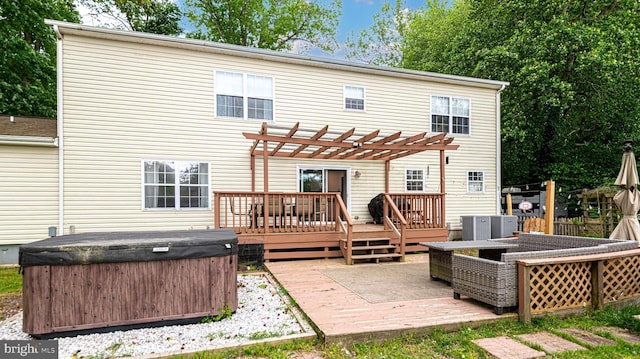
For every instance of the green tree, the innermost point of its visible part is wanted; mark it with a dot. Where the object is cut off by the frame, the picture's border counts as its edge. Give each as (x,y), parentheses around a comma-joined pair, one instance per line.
(382,43)
(575,81)
(153,16)
(28,55)
(427,42)
(268,24)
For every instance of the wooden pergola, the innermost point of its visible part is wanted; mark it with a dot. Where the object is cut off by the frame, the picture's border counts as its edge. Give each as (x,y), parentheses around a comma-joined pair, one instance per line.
(295,142)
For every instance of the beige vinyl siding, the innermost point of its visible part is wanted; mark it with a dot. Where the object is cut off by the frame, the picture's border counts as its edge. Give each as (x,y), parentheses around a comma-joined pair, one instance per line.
(28,193)
(127,102)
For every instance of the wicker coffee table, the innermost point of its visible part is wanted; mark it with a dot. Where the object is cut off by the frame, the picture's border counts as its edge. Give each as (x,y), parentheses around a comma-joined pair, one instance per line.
(440,254)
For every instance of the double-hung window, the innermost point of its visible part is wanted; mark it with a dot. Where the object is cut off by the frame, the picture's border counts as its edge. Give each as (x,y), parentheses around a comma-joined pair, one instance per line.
(414,180)
(246,96)
(475,181)
(354,98)
(176,184)
(450,114)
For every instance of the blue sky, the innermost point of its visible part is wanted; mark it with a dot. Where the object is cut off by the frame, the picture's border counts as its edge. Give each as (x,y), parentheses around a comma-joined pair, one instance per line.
(358,14)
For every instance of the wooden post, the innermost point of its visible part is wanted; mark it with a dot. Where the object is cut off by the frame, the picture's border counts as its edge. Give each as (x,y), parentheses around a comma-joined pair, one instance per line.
(265,161)
(253,172)
(597,284)
(550,207)
(524,292)
(387,169)
(216,211)
(443,220)
(509,204)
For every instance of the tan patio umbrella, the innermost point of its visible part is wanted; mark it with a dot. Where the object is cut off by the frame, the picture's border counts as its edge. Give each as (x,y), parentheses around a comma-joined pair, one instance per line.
(628,198)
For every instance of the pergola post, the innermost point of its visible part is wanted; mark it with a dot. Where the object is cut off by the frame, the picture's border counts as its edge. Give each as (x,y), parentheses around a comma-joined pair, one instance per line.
(442,189)
(253,172)
(387,169)
(265,165)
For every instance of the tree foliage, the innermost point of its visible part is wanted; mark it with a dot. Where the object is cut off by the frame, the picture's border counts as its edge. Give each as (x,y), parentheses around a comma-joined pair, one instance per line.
(268,24)
(153,16)
(574,91)
(28,55)
(381,44)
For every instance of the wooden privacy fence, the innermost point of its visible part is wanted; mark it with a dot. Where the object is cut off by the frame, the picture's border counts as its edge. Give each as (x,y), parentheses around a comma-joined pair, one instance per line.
(577,283)
(571,226)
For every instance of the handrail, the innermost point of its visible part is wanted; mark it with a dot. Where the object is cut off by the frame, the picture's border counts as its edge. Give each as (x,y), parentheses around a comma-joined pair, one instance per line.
(342,209)
(401,220)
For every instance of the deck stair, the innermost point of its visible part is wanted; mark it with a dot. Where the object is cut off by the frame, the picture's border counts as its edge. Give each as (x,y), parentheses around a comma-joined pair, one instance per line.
(371,246)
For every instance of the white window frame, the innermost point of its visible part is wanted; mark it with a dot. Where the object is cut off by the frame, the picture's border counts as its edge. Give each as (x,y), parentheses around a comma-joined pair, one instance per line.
(345,98)
(246,94)
(474,181)
(413,180)
(450,114)
(177,185)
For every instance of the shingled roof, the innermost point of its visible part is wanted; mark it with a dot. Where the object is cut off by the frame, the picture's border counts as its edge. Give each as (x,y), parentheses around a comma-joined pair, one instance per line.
(28,126)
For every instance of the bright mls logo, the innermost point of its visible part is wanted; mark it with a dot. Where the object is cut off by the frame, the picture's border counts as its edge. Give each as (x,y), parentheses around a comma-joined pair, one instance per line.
(31,349)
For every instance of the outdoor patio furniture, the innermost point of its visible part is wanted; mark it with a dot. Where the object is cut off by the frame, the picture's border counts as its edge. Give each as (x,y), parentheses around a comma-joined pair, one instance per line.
(440,254)
(495,282)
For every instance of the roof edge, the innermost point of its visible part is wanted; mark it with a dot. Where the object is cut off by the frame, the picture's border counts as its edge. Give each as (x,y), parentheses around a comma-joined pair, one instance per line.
(243,51)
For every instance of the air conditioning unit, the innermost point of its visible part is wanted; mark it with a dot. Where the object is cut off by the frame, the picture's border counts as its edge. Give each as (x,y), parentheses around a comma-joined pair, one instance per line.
(503,226)
(475,228)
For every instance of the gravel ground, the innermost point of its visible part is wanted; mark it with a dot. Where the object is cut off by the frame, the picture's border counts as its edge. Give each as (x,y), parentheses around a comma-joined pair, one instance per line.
(262,313)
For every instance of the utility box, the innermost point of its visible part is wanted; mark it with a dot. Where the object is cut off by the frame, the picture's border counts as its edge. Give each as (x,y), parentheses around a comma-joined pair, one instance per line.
(503,226)
(476,228)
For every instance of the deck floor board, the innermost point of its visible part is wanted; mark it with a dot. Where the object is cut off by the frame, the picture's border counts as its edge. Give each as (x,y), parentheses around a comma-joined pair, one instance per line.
(343,316)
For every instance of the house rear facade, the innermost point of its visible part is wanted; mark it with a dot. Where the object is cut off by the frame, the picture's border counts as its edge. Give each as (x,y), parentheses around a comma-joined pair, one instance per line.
(149,127)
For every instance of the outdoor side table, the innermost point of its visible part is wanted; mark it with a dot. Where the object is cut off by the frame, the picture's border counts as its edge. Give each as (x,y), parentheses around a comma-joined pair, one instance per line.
(440,254)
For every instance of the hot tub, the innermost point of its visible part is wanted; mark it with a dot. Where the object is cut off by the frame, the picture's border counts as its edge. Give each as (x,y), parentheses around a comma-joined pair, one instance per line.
(97,280)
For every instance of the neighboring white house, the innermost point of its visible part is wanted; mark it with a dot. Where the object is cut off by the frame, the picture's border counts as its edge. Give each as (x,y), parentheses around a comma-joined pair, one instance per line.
(132,107)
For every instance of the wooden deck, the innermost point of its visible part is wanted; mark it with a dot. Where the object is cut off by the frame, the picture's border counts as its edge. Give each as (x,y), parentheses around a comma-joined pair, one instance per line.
(343,317)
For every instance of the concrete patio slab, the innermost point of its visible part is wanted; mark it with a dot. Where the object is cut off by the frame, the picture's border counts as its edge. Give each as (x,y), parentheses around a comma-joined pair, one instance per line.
(507,348)
(550,343)
(586,337)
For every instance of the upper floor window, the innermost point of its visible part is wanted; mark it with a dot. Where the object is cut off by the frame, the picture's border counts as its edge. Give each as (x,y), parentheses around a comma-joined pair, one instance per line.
(354,98)
(450,114)
(242,95)
(413,180)
(475,181)
(176,184)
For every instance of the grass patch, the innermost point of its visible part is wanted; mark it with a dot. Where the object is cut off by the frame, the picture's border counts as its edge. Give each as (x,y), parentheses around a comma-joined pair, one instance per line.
(10,281)
(444,345)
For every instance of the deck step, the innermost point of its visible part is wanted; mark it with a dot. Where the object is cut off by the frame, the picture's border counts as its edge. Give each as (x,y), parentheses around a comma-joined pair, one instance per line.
(374,247)
(375,256)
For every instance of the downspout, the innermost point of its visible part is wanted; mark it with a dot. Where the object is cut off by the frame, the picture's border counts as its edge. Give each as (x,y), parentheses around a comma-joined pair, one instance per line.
(60,130)
(499,152)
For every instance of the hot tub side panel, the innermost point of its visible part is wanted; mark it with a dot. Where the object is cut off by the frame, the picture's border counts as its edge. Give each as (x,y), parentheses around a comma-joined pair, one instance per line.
(114,294)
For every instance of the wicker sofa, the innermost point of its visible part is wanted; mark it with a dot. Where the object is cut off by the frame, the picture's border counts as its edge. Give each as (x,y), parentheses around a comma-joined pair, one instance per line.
(496,282)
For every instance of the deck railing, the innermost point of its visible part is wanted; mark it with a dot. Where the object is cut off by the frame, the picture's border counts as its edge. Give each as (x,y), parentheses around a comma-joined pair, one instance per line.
(420,210)
(247,213)
(391,211)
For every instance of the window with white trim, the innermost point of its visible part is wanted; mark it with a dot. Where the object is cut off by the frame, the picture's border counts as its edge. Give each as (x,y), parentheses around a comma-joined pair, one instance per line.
(241,95)
(450,114)
(176,184)
(475,181)
(413,180)
(353,98)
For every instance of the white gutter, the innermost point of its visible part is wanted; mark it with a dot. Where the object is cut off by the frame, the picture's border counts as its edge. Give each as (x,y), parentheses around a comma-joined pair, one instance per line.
(499,152)
(60,131)
(267,55)
(28,141)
